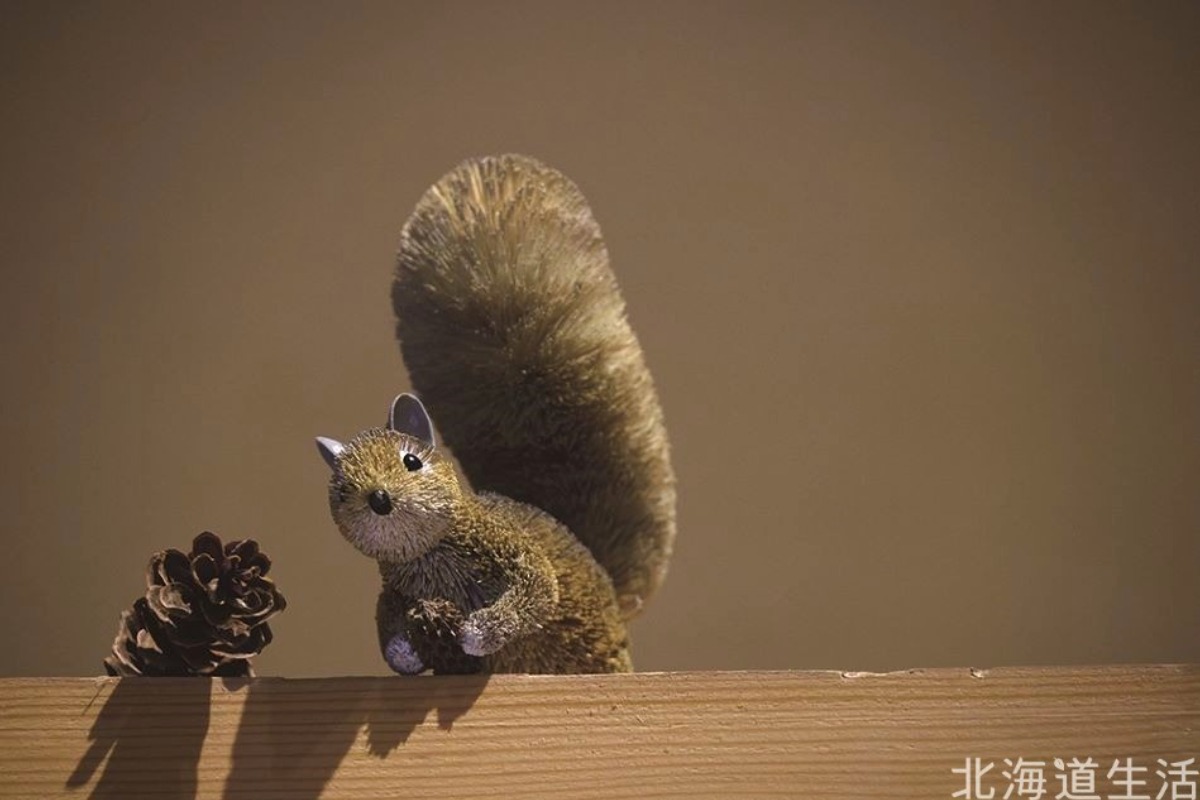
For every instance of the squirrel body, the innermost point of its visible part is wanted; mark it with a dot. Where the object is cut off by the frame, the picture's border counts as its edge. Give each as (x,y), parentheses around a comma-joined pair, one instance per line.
(514,333)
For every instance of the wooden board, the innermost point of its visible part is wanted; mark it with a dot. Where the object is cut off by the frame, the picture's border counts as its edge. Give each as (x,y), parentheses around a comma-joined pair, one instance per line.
(739,735)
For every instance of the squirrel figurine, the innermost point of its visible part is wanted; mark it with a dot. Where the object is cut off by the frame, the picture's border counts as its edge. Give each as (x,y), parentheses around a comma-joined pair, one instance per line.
(514,333)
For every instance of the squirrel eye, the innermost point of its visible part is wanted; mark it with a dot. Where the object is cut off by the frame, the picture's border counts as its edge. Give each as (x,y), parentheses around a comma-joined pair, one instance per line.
(411,462)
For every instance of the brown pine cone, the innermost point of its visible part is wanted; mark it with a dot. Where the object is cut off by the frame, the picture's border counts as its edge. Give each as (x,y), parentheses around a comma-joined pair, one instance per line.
(434,626)
(204,613)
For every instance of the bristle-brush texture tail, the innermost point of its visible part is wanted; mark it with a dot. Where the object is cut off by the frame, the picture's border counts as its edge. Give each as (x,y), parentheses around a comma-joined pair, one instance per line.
(514,334)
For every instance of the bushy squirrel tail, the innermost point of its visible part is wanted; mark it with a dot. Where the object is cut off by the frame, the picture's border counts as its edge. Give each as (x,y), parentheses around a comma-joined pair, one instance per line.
(514,334)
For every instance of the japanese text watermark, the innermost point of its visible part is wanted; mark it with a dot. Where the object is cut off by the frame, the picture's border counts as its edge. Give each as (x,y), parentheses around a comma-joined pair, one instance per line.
(1076,779)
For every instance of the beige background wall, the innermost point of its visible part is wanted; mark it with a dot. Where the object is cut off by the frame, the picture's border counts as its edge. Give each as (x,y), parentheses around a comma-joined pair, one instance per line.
(918,283)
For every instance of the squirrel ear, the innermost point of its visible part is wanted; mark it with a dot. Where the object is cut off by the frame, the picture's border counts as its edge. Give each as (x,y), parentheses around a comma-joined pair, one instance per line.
(330,449)
(409,416)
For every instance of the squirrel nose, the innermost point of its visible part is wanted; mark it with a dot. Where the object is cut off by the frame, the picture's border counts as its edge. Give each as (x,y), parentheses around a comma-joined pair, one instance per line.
(379,502)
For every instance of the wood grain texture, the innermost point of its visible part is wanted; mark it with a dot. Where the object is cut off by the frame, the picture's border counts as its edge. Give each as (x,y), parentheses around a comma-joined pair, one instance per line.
(768,734)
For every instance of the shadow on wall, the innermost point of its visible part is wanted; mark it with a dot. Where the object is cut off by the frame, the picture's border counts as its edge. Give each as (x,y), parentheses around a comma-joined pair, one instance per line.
(153,731)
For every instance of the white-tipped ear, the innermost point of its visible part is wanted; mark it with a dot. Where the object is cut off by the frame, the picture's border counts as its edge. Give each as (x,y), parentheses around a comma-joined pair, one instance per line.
(409,416)
(330,449)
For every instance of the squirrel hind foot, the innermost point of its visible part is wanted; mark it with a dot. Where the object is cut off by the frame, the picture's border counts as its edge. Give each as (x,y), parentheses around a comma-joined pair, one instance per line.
(402,657)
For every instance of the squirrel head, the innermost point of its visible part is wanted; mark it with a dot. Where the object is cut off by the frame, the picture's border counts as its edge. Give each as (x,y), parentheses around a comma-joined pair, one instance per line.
(391,493)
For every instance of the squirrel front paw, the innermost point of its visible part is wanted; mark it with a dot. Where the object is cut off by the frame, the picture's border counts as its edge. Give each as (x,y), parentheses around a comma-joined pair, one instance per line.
(483,634)
(477,641)
(402,656)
